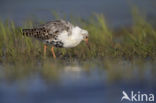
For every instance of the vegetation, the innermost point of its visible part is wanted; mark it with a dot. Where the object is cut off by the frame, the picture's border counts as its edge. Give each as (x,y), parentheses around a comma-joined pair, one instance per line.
(139,40)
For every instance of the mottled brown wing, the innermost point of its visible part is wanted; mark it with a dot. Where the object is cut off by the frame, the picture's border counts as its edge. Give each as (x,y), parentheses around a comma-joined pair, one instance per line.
(49,30)
(58,26)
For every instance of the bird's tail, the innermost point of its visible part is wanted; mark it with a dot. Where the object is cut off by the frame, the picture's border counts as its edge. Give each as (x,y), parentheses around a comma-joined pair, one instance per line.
(28,32)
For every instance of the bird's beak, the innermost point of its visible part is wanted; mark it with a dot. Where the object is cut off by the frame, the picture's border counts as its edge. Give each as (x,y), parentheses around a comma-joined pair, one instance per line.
(86,40)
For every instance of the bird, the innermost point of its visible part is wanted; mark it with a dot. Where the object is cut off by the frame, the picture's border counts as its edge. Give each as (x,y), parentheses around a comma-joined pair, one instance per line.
(59,34)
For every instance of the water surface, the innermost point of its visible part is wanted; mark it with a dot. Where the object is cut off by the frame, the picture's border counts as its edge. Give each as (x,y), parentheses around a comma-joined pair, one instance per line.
(75,82)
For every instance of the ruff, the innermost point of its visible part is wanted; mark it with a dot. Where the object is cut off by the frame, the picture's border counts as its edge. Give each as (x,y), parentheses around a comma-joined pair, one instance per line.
(59,34)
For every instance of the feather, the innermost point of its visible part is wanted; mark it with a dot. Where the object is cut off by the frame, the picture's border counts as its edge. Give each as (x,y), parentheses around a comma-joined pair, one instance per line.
(49,30)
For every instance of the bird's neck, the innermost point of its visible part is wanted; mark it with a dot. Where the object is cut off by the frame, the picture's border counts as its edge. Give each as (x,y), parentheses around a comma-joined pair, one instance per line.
(76,34)
(75,38)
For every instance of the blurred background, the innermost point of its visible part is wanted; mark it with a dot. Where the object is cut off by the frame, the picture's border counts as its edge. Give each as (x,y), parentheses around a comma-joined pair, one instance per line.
(117,13)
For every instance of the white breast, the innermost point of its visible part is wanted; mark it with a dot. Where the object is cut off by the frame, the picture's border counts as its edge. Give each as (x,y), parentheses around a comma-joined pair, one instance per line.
(71,40)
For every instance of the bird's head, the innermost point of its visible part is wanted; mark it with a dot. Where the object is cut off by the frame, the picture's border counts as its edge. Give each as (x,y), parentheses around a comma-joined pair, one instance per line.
(85,36)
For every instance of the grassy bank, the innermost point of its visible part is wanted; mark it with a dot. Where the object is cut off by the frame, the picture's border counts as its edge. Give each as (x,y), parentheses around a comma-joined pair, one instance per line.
(139,40)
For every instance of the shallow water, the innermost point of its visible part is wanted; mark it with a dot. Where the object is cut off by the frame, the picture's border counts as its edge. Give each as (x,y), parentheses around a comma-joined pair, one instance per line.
(75,82)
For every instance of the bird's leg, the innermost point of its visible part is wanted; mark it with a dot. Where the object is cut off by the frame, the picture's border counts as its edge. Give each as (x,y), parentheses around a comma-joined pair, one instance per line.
(45,48)
(52,50)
